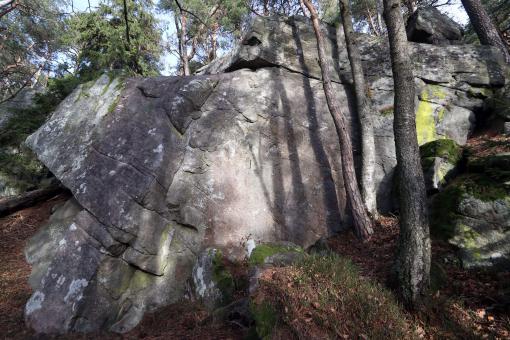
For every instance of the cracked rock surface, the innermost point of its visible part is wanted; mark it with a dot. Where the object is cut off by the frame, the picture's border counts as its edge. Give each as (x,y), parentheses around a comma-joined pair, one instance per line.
(243,153)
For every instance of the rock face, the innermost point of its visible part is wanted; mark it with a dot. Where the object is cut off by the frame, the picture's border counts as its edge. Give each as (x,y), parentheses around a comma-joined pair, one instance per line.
(244,153)
(428,25)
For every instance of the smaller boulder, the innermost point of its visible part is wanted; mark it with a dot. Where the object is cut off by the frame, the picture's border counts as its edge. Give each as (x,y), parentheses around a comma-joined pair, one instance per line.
(473,213)
(430,26)
(212,282)
(268,255)
(439,159)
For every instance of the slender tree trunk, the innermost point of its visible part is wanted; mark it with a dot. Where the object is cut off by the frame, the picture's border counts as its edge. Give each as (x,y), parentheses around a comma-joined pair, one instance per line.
(362,222)
(371,23)
(365,111)
(484,28)
(10,205)
(380,9)
(128,39)
(183,51)
(214,42)
(412,265)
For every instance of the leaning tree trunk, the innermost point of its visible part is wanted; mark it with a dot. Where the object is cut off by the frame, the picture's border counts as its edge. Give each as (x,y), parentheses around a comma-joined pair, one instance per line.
(484,28)
(12,204)
(365,111)
(362,222)
(412,265)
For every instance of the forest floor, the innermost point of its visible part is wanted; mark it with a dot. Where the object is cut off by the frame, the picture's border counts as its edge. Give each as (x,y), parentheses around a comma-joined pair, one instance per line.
(463,304)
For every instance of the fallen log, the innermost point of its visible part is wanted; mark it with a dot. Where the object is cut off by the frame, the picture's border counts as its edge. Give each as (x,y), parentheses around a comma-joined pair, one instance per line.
(10,205)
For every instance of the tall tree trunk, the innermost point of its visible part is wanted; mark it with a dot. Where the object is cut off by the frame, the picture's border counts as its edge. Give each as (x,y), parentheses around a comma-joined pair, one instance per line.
(484,28)
(362,222)
(128,39)
(183,51)
(365,111)
(412,265)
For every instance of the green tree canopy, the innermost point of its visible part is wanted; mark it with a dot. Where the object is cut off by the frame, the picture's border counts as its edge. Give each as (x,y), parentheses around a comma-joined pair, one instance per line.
(97,40)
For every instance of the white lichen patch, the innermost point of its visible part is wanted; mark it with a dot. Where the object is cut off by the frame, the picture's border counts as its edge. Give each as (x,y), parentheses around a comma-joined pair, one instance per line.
(72,227)
(199,281)
(158,149)
(62,243)
(75,290)
(34,303)
(250,245)
(61,280)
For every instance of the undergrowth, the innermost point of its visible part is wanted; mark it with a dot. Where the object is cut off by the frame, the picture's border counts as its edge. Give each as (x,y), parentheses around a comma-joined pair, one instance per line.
(326,297)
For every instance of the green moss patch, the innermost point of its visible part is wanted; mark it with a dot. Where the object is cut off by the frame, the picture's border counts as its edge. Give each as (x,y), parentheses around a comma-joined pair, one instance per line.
(444,148)
(444,208)
(262,251)
(223,278)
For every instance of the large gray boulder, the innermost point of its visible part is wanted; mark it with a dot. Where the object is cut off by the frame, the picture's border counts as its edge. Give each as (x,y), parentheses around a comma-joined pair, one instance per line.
(243,154)
(428,25)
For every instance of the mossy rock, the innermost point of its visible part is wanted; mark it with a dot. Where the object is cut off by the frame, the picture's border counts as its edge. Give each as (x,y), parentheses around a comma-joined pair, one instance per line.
(495,166)
(445,205)
(444,148)
(439,160)
(213,283)
(223,278)
(263,252)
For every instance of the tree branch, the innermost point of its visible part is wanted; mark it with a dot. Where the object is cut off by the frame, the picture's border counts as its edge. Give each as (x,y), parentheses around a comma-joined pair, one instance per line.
(181,9)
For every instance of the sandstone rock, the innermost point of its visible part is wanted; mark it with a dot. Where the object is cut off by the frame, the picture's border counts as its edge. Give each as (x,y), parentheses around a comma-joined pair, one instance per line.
(439,160)
(212,282)
(428,25)
(41,247)
(242,155)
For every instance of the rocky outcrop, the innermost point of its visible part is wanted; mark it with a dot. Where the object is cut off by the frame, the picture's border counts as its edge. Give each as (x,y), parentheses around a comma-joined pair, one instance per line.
(428,25)
(244,153)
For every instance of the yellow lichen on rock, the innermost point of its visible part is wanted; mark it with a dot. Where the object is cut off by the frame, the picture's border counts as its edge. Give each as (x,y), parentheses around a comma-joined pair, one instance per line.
(425,123)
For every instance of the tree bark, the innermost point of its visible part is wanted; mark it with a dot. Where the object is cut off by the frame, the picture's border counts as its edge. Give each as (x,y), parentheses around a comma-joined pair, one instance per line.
(484,28)
(128,39)
(180,25)
(412,266)
(362,222)
(365,111)
(214,42)
(13,204)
